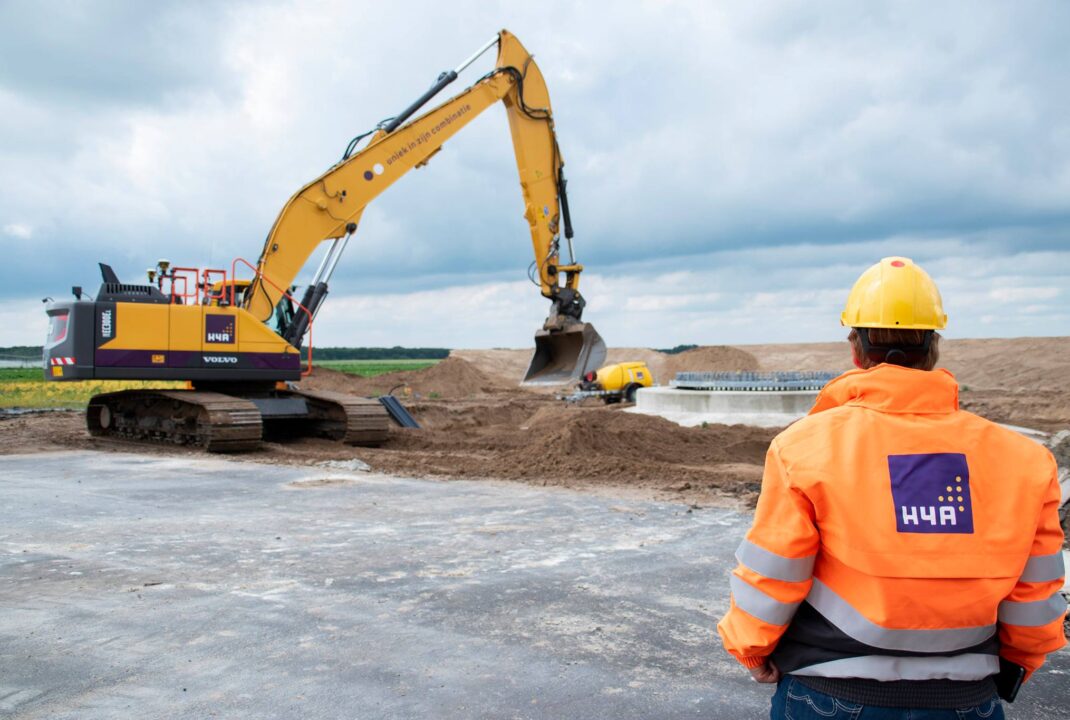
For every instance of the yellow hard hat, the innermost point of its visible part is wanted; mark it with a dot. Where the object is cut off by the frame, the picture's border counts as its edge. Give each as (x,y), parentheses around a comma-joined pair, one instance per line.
(895,293)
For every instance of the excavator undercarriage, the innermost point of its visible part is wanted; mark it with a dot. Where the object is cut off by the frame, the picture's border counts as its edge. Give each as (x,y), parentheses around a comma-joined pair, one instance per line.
(229,423)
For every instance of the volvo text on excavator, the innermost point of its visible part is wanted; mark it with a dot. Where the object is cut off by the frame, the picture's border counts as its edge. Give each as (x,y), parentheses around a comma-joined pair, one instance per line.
(238,342)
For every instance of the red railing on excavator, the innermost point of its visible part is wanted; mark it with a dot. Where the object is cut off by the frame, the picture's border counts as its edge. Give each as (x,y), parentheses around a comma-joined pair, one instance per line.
(190,289)
(193,286)
(256,271)
(207,284)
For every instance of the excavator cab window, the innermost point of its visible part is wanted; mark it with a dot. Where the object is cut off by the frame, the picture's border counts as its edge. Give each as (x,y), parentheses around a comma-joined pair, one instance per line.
(223,294)
(284,315)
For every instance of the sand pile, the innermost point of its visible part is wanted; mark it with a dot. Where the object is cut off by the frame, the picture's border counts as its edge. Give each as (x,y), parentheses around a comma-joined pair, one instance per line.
(832,357)
(1004,364)
(613,435)
(477,422)
(1012,364)
(507,365)
(550,444)
(450,378)
(710,358)
(459,416)
(1047,411)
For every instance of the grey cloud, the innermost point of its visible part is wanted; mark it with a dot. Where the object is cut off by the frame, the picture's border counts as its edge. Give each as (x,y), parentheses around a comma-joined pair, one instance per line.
(689,129)
(77,55)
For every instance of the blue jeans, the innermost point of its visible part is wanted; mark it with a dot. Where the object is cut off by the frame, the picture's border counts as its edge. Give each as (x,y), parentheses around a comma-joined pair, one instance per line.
(795,701)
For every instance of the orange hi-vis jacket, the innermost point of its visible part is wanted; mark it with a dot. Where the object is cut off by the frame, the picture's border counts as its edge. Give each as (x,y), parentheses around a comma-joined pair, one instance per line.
(899,538)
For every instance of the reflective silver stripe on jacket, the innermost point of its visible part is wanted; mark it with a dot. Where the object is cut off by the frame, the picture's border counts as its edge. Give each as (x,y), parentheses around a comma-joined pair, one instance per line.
(1043,568)
(754,602)
(968,666)
(1034,613)
(840,613)
(771,565)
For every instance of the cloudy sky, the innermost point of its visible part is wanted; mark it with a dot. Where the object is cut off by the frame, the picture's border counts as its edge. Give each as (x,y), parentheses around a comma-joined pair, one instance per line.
(732,166)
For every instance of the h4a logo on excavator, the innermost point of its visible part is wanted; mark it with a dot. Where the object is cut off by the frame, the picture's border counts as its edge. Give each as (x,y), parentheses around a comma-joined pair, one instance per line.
(219,329)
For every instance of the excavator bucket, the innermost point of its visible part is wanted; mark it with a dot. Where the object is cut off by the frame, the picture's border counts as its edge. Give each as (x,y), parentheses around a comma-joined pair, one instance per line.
(563,356)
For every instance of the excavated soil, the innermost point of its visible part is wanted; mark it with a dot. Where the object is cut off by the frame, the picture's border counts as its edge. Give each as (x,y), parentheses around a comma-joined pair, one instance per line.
(452,378)
(477,423)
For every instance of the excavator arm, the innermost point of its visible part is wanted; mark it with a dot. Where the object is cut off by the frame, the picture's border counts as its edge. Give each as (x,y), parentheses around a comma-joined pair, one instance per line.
(329,208)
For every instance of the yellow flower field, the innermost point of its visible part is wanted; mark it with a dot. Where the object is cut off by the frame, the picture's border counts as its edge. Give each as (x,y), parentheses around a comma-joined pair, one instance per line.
(40,394)
(27,388)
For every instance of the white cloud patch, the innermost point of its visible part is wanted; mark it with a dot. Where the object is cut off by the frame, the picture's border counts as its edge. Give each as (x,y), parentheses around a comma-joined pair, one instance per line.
(755,303)
(1018,294)
(789,294)
(23,322)
(19,230)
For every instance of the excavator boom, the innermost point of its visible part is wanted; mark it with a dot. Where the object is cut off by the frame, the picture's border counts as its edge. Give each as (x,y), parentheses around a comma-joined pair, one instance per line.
(329,208)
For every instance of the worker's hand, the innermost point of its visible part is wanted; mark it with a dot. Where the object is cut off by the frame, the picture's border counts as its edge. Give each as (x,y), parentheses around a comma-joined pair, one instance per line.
(767,672)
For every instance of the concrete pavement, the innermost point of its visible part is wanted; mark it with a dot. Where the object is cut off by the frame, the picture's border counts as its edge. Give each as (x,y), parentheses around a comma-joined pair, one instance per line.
(168,588)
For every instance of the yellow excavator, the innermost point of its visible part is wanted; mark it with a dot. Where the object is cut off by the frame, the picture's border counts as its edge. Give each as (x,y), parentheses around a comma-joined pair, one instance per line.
(238,342)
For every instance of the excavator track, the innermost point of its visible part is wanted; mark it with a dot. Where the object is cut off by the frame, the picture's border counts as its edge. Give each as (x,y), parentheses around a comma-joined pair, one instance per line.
(216,422)
(346,418)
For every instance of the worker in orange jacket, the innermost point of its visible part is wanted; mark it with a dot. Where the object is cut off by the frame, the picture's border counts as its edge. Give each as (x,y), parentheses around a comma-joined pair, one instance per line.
(905,554)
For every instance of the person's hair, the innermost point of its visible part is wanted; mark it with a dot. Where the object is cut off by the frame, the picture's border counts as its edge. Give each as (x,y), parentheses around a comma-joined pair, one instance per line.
(891,338)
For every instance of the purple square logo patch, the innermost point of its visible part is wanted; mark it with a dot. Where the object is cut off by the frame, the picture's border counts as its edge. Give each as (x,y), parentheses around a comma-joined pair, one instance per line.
(219,328)
(931,493)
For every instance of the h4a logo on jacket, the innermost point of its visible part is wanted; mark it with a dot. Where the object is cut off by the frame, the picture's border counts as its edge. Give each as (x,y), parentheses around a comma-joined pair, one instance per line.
(931,493)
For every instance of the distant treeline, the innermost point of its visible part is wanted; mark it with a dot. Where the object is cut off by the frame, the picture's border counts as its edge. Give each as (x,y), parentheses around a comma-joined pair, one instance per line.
(325,353)
(678,349)
(22,351)
(370,353)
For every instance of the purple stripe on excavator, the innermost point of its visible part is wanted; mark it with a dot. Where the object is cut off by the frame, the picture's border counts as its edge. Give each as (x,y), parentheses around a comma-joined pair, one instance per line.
(188,359)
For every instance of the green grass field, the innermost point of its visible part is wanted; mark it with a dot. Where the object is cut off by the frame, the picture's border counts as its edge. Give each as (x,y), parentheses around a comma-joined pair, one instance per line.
(371,368)
(26,387)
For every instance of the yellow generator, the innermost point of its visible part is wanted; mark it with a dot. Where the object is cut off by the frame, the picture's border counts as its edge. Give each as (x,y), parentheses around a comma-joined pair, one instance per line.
(618,382)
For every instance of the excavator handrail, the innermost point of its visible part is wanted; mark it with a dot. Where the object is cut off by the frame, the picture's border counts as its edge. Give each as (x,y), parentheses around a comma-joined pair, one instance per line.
(184,274)
(234,277)
(207,283)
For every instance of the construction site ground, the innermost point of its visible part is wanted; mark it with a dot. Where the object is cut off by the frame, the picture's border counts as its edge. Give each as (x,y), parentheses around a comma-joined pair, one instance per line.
(477,422)
(515,557)
(141,585)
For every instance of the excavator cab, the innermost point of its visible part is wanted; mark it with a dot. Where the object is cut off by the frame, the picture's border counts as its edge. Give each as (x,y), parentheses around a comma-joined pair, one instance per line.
(227,292)
(566,355)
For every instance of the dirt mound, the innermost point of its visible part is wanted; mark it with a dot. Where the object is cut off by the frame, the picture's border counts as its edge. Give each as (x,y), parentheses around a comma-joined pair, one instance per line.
(541,441)
(833,357)
(1005,364)
(1018,364)
(450,378)
(654,360)
(505,365)
(596,435)
(1048,411)
(508,366)
(711,358)
(477,422)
